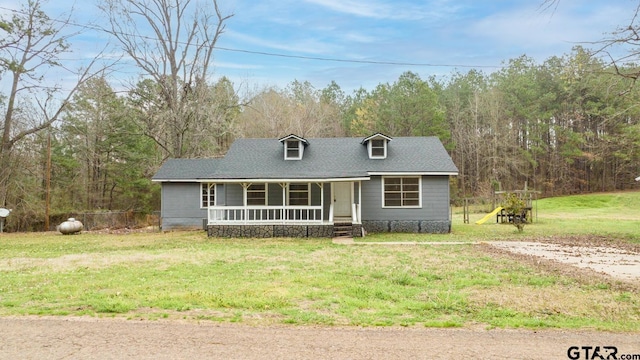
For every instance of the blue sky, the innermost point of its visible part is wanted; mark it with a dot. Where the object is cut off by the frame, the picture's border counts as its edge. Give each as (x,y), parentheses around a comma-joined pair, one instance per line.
(437,35)
(458,34)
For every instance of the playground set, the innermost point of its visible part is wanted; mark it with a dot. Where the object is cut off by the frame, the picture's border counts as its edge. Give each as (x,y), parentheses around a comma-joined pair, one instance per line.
(502,215)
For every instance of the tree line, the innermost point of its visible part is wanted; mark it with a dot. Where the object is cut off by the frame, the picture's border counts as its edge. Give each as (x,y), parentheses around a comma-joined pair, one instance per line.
(567,125)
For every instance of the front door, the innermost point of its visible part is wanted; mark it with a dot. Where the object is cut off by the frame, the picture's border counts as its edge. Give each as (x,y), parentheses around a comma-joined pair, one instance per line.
(342,199)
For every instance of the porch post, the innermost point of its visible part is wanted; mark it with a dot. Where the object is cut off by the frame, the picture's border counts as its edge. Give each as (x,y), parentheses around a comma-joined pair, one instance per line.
(353,206)
(332,202)
(360,201)
(245,216)
(321,201)
(284,202)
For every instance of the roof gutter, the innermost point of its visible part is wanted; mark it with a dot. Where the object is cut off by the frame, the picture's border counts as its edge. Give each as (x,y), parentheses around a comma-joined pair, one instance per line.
(413,173)
(262,180)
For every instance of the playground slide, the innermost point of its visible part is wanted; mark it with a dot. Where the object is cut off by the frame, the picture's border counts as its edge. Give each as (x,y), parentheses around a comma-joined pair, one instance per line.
(489,216)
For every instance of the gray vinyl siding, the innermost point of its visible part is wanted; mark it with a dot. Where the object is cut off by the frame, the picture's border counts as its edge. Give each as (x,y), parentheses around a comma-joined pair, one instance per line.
(181,201)
(234,194)
(274,197)
(435,201)
(221,196)
(327,201)
(181,206)
(356,193)
(316,194)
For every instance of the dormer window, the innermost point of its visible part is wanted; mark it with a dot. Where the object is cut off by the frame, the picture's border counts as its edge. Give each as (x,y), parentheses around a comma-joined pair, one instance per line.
(377,145)
(378,148)
(293,147)
(292,150)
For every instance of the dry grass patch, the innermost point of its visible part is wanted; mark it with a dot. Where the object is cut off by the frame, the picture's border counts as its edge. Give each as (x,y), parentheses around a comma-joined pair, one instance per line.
(559,300)
(87,261)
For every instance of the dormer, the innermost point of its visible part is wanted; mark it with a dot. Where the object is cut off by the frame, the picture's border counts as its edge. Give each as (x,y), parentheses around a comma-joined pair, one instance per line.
(377,145)
(293,146)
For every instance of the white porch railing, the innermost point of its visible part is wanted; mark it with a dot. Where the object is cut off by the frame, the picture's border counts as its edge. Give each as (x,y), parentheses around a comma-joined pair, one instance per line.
(237,215)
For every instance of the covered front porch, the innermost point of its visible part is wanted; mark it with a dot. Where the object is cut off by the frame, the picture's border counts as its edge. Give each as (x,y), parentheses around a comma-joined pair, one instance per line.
(266,208)
(286,203)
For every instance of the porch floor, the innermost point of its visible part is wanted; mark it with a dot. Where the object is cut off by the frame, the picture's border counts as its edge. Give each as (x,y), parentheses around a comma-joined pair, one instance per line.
(342,220)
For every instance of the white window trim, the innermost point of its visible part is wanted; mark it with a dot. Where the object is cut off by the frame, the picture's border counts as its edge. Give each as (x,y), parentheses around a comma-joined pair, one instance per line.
(308,194)
(266,194)
(419,206)
(370,148)
(209,186)
(300,150)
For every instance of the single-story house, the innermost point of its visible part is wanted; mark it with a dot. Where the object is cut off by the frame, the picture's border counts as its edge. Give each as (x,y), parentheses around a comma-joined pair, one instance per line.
(323,187)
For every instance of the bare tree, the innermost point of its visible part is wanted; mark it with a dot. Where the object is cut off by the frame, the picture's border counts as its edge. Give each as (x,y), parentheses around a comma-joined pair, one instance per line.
(549,5)
(173,42)
(31,44)
(621,48)
(299,109)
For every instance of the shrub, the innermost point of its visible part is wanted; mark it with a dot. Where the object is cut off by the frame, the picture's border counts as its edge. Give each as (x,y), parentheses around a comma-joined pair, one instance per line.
(516,206)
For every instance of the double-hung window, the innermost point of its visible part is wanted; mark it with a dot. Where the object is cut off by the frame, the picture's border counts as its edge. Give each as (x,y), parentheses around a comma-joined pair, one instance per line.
(378,149)
(299,194)
(257,194)
(208,194)
(401,192)
(293,150)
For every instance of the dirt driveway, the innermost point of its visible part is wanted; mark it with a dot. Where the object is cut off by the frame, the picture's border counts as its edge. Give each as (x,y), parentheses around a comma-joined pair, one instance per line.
(88,338)
(622,264)
(583,256)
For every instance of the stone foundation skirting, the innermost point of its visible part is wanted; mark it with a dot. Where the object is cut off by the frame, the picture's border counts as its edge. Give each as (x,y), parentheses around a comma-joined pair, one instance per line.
(407,226)
(321,231)
(357,230)
(268,231)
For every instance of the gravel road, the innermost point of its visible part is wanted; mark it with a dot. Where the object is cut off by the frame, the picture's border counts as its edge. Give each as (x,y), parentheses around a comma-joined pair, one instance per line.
(90,338)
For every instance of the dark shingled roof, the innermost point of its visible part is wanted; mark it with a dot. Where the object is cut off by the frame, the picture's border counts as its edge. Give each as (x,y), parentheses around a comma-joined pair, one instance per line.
(181,169)
(323,158)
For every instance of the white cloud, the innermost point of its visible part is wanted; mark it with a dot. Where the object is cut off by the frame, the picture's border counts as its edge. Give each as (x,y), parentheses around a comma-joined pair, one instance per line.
(528,27)
(306,45)
(394,10)
(236,66)
(354,7)
(359,38)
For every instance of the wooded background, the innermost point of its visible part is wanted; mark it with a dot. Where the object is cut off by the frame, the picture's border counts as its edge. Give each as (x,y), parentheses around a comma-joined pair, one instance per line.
(568,125)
